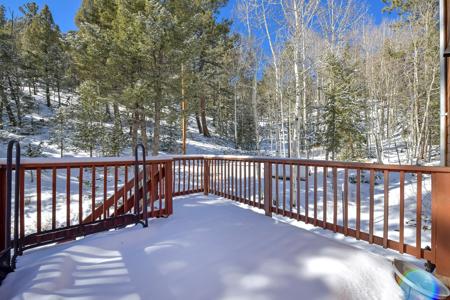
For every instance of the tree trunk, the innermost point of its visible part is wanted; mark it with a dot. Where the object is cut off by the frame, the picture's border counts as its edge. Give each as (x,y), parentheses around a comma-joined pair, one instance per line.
(47,93)
(203,116)
(134,127)
(1,114)
(143,128)
(58,90)
(236,144)
(255,105)
(16,99)
(157,119)
(4,99)
(199,123)
(183,114)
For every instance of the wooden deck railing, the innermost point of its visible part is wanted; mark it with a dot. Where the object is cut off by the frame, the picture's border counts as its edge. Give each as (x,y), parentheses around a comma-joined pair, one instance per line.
(61,199)
(404,208)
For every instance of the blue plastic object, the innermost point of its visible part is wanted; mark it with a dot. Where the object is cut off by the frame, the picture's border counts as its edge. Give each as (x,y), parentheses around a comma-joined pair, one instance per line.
(418,284)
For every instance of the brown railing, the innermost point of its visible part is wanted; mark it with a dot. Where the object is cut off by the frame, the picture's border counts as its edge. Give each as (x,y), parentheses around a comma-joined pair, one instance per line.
(188,175)
(61,199)
(404,208)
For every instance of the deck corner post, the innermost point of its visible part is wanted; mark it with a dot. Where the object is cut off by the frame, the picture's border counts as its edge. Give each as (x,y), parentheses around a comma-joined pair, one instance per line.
(440,234)
(206,174)
(168,187)
(268,188)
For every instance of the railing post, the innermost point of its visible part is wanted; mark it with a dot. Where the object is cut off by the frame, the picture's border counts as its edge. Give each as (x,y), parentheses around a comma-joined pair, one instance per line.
(169,191)
(440,240)
(3,208)
(268,188)
(206,175)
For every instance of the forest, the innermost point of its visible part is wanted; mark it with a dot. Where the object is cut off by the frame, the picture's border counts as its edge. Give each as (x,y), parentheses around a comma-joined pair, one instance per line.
(290,78)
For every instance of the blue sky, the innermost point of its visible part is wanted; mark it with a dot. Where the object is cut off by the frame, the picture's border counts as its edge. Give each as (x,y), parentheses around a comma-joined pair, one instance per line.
(64,10)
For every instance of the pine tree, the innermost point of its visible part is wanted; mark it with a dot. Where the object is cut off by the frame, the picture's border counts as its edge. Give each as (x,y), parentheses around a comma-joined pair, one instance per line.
(344,135)
(42,46)
(89,128)
(61,130)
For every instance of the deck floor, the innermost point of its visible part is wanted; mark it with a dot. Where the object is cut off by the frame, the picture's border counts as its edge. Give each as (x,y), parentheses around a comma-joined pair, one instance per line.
(209,249)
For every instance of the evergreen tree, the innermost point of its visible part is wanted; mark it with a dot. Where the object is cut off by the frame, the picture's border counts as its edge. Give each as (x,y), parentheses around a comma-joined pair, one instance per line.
(61,131)
(42,46)
(89,128)
(344,133)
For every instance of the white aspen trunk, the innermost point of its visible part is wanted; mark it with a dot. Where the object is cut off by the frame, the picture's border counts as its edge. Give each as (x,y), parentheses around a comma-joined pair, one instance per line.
(235,117)
(278,92)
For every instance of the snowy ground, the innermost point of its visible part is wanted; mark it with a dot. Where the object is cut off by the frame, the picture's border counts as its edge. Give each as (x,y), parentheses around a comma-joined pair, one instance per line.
(209,249)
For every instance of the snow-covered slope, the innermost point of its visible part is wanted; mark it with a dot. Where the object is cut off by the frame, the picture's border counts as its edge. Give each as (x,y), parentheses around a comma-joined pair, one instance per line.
(36,134)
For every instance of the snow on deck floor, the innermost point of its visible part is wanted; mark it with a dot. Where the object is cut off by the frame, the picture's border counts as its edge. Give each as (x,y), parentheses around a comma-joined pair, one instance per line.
(209,249)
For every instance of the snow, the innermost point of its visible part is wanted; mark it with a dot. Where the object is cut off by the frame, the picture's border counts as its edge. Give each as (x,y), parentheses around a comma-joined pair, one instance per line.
(211,248)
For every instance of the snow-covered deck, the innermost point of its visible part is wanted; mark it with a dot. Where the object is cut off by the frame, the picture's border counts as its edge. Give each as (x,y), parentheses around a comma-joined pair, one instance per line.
(210,248)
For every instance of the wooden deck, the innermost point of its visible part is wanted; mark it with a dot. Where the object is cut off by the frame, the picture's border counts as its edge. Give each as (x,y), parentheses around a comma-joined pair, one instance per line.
(210,248)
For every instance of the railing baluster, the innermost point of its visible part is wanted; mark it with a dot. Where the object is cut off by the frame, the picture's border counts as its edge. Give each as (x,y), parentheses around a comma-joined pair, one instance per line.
(116,178)
(105,189)
(419,216)
(125,194)
(179,176)
(240,181)
(174,176)
(184,176)
(224,174)
(189,176)
(254,183)
(22,201)
(93,195)
(324,197)
(218,178)
(225,178)
(39,199)
(345,202)
(402,212)
(53,198)
(306,194)
(232,176)
(358,203)
(284,189)
(291,189)
(299,169)
(214,177)
(230,179)
(154,188)
(236,181)
(259,185)
(249,177)
(168,192)
(68,196)
(335,199)
(386,209)
(315,196)
(161,189)
(202,174)
(197,176)
(80,196)
(277,191)
(372,205)
(245,182)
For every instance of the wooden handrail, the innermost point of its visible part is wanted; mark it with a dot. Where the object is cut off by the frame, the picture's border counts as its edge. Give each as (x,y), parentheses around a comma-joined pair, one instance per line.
(44,163)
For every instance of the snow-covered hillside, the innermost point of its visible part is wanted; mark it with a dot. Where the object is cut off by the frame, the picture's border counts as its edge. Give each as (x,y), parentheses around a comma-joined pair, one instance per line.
(35,135)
